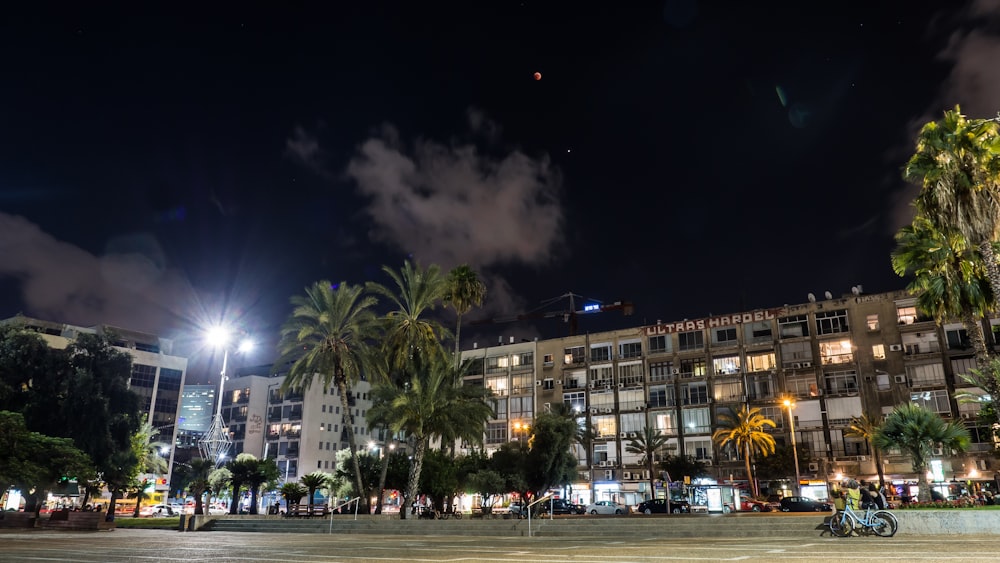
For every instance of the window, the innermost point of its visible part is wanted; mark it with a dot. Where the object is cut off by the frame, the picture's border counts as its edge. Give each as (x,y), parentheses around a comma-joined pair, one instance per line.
(961,366)
(523,383)
(958,339)
(841,382)
(727,391)
(524,359)
(696,420)
(774,413)
(760,362)
(574,355)
(605,425)
(665,422)
(694,340)
(143,376)
(793,327)
(661,371)
(831,322)
(695,393)
(577,401)
(906,315)
(693,367)
(574,379)
(547,360)
(934,401)
(600,453)
(500,407)
(630,374)
(795,353)
(522,407)
(836,352)
(758,332)
(498,385)
(760,386)
(724,336)
(659,344)
(628,350)
(872,322)
(601,375)
(726,365)
(548,384)
(802,386)
(661,396)
(928,375)
(878,351)
(496,364)
(475,367)
(496,432)
(600,352)
(700,449)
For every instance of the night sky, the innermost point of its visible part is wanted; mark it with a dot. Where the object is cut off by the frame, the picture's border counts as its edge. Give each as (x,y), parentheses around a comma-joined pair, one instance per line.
(163,169)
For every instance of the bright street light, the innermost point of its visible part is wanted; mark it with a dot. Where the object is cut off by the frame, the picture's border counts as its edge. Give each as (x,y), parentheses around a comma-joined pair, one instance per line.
(795,449)
(216,442)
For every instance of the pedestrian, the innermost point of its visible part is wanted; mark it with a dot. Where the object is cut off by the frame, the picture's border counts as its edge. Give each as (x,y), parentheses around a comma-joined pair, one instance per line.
(853,491)
(876,497)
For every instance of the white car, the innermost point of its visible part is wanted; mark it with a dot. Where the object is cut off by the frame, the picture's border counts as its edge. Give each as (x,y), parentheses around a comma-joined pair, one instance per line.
(158,510)
(606,507)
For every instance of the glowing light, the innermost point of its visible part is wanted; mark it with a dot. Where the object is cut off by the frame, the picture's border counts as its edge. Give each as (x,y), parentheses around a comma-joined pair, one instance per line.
(538,76)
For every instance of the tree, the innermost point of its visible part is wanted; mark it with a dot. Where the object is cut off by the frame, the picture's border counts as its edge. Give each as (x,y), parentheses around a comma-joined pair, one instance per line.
(147,451)
(439,478)
(292,493)
(916,431)
(550,461)
(489,484)
(865,427)
(410,339)
(646,445)
(678,467)
(312,482)
(744,430)
(957,165)
(328,334)
(219,480)
(464,292)
(197,473)
(243,469)
(265,471)
(434,403)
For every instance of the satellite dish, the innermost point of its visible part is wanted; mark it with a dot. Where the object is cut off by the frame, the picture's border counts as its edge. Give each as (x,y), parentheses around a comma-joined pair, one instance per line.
(828,295)
(856,290)
(812,298)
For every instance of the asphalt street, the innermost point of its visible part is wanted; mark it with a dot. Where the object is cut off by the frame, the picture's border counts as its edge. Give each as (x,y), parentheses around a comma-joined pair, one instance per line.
(147,546)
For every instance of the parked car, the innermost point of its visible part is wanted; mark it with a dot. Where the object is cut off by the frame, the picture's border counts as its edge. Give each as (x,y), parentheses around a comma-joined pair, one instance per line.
(560,506)
(157,510)
(516,509)
(750,505)
(804,504)
(606,507)
(659,506)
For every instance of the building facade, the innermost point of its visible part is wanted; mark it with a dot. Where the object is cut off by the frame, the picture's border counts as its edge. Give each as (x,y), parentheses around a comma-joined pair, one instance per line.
(301,431)
(835,359)
(157,375)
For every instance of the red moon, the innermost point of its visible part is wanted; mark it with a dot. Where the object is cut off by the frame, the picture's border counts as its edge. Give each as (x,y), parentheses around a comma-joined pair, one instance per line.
(538,76)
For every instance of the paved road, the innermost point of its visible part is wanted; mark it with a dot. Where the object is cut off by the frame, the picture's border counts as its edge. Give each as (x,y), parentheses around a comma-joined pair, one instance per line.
(148,546)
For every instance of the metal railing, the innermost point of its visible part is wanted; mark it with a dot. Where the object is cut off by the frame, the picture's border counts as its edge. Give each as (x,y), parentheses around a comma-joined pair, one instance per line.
(528,508)
(355,500)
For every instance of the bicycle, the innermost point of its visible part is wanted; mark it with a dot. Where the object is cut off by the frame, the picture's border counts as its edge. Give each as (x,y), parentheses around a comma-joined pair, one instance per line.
(449,512)
(880,522)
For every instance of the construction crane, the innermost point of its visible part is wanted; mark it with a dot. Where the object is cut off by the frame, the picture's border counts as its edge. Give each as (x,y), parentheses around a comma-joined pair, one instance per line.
(568,315)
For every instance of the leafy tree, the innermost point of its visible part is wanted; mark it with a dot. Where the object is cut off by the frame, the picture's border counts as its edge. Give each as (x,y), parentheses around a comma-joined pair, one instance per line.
(916,431)
(439,478)
(312,482)
(489,484)
(865,427)
(33,461)
(219,480)
(465,291)
(647,444)
(550,461)
(678,466)
(779,464)
(147,451)
(265,471)
(744,430)
(957,165)
(328,334)
(511,461)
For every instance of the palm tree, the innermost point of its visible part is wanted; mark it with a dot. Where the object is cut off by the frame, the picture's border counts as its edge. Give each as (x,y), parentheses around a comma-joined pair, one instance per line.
(432,404)
(292,493)
(646,444)
(328,333)
(950,277)
(916,431)
(745,431)
(585,436)
(464,291)
(957,165)
(409,338)
(150,460)
(242,470)
(265,471)
(313,481)
(865,428)
(199,470)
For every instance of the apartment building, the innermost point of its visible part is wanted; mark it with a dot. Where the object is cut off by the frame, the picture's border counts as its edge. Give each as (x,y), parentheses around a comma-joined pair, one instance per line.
(835,359)
(301,431)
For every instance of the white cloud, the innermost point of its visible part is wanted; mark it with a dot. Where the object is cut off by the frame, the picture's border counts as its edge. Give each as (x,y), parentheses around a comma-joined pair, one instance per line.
(454,203)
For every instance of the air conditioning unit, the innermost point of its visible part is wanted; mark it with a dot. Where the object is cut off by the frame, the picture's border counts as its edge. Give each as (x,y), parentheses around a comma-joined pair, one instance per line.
(938,451)
(609,474)
(899,379)
(675,371)
(593,411)
(632,435)
(645,474)
(626,476)
(538,383)
(796,365)
(623,434)
(966,416)
(639,408)
(862,458)
(602,463)
(558,382)
(607,387)
(592,385)
(814,467)
(895,347)
(607,411)
(807,364)
(621,385)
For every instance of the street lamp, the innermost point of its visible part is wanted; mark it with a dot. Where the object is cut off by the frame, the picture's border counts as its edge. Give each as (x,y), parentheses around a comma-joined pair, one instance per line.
(795,450)
(216,442)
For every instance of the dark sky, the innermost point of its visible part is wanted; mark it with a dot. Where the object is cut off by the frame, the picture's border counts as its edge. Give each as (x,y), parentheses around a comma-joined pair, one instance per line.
(161,169)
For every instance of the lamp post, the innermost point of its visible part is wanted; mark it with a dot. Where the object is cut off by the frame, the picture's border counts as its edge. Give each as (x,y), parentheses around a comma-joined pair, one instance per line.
(795,450)
(216,442)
